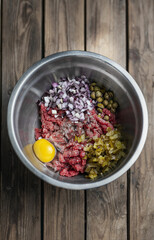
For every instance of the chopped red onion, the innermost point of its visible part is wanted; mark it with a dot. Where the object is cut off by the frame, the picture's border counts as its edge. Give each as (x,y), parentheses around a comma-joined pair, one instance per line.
(55,84)
(71,99)
(64,105)
(83,89)
(67,112)
(72,95)
(58,101)
(70,105)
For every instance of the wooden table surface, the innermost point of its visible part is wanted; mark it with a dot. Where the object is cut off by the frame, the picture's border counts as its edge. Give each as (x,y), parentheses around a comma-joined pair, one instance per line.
(122,30)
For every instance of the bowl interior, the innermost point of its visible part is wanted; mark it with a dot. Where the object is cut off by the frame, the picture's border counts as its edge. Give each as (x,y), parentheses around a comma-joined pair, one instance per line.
(37,81)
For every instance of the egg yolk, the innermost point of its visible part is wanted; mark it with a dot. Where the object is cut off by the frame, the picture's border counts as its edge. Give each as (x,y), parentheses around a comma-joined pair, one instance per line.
(44,150)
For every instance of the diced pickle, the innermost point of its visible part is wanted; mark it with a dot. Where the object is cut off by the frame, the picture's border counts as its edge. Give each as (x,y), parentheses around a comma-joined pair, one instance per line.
(80,139)
(99,110)
(103,155)
(100,105)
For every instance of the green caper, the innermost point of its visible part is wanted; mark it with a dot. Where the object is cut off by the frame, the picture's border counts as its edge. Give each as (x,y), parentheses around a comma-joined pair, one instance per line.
(105,102)
(93,95)
(96,88)
(110,93)
(93,84)
(100,105)
(103,89)
(99,110)
(91,88)
(106,96)
(115,105)
(106,117)
(109,105)
(111,101)
(100,99)
(98,94)
(113,110)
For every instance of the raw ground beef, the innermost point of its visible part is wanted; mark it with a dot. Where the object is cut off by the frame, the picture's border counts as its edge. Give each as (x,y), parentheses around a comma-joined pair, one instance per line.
(59,130)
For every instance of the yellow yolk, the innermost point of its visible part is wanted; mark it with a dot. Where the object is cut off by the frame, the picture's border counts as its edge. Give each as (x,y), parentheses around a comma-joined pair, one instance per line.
(44,150)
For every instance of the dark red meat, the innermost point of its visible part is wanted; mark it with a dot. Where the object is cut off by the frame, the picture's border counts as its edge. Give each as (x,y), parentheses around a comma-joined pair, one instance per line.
(61,158)
(56,164)
(38,133)
(71,153)
(102,123)
(59,130)
(111,116)
(74,160)
(68,173)
(82,154)
(79,168)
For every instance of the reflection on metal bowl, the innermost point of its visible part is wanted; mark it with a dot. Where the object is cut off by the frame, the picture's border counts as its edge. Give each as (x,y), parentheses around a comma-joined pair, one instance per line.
(23,112)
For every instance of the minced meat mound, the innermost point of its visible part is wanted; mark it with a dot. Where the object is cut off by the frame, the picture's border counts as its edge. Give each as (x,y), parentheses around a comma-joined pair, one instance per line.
(59,130)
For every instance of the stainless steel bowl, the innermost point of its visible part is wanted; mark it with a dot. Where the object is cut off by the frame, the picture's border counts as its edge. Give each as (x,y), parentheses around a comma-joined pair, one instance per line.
(23,113)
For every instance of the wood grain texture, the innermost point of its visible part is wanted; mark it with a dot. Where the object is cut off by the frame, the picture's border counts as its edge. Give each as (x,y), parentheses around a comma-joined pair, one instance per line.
(107,206)
(64,25)
(0,76)
(141,59)
(0,106)
(63,214)
(20,189)
(63,209)
(106,32)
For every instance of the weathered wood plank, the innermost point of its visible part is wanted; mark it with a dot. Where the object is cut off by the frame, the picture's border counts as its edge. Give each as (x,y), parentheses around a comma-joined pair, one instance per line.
(20,192)
(63,209)
(107,206)
(106,25)
(0,100)
(64,25)
(141,59)
(0,70)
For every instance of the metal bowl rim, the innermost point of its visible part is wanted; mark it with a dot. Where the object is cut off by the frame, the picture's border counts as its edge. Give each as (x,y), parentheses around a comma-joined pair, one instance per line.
(28,164)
